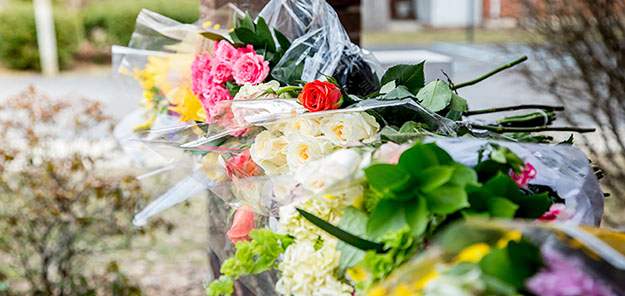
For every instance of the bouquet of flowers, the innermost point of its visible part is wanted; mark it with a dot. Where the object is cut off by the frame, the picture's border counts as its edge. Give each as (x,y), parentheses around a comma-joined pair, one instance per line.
(339,172)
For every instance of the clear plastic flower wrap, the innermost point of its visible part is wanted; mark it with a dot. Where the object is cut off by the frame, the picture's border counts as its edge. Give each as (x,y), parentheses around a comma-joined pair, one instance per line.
(476,258)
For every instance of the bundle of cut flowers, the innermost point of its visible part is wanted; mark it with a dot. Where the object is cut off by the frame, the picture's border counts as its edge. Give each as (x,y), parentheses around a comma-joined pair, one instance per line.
(339,172)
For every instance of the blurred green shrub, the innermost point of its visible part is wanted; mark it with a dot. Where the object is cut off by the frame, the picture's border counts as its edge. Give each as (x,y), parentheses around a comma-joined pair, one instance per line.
(117,17)
(61,203)
(18,36)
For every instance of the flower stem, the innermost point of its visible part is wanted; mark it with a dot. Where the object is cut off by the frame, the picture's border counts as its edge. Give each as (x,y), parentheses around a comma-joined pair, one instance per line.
(499,129)
(512,108)
(287,89)
(491,73)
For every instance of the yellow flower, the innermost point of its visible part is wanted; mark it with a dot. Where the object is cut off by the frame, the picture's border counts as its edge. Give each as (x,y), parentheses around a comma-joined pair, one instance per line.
(188,105)
(357,274)
(206,24)
(509,236)
(473,253)
(377,291)
(403,290)
(145,126)
(420,284)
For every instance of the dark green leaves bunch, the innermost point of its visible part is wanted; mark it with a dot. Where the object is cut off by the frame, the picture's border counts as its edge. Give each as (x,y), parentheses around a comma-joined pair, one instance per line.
(260,36)
(408,81)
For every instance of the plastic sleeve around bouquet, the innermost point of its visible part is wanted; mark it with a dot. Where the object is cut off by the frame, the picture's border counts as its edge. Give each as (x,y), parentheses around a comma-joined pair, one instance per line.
(563,168)
(319,44)
(588,261)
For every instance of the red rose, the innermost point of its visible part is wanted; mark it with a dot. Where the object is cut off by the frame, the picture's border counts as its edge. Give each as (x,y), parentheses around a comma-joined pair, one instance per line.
(320,96)
(242,224)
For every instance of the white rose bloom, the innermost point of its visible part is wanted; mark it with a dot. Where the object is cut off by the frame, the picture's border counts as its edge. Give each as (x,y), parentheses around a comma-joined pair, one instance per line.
(322,174)
(346,128)
(269,152)
(306,126)
(302,149)
(251,92)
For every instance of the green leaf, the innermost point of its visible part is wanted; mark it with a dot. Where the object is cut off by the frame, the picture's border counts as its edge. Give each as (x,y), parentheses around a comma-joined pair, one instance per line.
(213,36)
(417,215)
(418,158)
(264,34)
(501,207)
(457,107)
(434,177)
(353,221)
(409,127)
(513,264)
(533,206)
(247,37)
(435,96)
(463,175)
(247,23)
(441,155)
(503,185)
(447,199)
(282,40)
(399,92)
(387,216)
(410,76)
(388,87)
(387,177)
(345,236)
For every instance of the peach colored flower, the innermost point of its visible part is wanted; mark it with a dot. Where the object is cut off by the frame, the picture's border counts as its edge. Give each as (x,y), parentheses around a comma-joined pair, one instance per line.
(242,224)
(250,68)
(390,152)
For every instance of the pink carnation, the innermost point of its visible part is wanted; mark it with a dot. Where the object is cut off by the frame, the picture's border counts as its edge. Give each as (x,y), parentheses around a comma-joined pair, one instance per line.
(200,73)
(557,212)
(241,51)
(528,173)
(211,97)
(250,68)
(221,70)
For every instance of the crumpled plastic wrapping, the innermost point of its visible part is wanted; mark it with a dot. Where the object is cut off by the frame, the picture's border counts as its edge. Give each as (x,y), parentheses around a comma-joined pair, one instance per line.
(320,45)
(598,253)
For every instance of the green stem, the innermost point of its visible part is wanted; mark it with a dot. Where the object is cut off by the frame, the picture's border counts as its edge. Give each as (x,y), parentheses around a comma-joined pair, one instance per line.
(491,73)
(287,89)
(512,108)
(499,129)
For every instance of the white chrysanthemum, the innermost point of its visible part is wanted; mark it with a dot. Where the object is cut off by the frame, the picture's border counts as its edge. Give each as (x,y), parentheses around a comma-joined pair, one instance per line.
(347,128)
(306,271)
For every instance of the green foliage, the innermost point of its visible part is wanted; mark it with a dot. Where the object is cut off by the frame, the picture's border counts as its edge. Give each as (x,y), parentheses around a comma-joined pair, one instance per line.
(513,264)
(259,35)
(62,207)
(117,17)
(409,76)
(353,221)
(18,36)
(435,96)
(252,257)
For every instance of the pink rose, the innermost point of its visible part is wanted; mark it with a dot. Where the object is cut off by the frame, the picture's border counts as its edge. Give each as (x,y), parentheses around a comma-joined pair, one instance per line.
(390,152)
(221,70)
(250,68)
(211,97)
(528,173)
(242,166)
(557,212)
(242,224)
(224,50)
(200,73)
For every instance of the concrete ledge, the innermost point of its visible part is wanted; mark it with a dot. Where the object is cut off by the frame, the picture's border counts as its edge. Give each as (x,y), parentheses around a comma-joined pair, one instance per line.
(434,62)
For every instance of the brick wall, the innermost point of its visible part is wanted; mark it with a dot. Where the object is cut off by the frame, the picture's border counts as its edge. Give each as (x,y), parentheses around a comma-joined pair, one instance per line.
(508,8)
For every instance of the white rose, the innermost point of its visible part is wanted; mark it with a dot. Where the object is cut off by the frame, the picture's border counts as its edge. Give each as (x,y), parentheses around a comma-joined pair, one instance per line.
(251,92)
(347,128)
(320,175)
(268,151)
(302,149)
(307,126)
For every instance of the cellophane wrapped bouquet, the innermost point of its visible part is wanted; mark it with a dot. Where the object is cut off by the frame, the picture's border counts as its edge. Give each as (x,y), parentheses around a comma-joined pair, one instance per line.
(338,172)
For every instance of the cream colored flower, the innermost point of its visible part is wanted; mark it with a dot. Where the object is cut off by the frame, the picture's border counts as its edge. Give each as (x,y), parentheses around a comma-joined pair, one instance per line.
(269,152)
(302,149)
(348,128)
(337,167)
(252,92)
(307,126)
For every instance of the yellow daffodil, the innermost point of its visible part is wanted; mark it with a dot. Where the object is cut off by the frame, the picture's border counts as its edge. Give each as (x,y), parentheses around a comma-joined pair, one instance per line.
(420,284)
(508,237)
(186,104)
